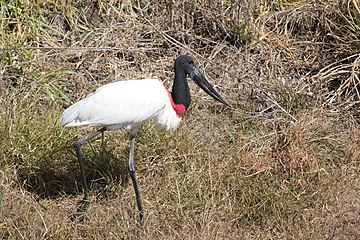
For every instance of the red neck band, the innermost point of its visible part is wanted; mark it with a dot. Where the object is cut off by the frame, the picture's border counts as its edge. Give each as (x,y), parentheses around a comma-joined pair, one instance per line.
(178,108)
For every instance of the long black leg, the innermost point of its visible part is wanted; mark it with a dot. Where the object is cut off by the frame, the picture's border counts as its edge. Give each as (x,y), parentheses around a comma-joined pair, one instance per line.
(133,178)
(77,146)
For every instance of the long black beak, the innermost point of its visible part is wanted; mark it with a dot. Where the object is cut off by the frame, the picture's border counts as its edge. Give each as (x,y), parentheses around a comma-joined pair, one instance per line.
(201,81)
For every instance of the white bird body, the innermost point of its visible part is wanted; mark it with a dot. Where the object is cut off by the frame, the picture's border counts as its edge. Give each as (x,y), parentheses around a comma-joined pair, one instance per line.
(124,104)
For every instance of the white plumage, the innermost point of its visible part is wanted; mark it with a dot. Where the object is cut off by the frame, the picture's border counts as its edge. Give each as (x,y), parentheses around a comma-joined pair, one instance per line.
(124,104)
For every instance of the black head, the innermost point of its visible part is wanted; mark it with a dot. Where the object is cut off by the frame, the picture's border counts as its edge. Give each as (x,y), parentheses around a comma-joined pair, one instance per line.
(187,64)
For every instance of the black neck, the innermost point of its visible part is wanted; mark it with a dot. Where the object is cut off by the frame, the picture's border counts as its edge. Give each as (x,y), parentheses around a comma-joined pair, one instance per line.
(180,91)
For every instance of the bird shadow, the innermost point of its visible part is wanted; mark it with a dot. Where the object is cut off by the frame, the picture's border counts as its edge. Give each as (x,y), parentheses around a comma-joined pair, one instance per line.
(54,179)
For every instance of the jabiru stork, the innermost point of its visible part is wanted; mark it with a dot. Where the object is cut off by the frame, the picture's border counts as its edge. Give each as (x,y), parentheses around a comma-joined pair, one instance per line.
(129,104)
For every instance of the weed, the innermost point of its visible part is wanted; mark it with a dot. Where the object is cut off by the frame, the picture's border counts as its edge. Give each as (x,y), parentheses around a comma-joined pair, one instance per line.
(242,35)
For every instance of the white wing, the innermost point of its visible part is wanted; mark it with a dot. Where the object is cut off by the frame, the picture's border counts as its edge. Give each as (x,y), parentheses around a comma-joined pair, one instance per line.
(119,104)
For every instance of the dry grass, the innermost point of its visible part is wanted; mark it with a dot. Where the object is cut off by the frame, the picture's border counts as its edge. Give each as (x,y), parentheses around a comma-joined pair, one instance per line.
(282,163)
